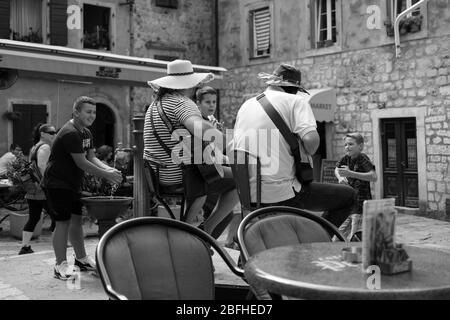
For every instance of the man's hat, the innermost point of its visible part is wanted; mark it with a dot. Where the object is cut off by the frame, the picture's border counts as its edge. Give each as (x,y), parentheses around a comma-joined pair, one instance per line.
(284,76)
(181,75)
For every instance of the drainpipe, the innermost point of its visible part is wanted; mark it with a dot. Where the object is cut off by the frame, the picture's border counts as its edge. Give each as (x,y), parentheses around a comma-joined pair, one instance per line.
(397,23)
(216,38)
(140,193)
(216,27)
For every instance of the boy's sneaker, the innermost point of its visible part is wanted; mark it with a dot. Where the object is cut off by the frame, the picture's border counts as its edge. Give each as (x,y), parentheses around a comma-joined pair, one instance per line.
(63,271)
(86,264)
(25,250)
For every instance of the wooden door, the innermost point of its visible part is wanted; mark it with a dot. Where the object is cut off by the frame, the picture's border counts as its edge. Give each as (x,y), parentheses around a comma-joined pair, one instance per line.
(31,115)
(399,147)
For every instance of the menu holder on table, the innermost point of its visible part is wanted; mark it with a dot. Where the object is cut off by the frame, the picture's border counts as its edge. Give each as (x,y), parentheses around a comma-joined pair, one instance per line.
(378,246)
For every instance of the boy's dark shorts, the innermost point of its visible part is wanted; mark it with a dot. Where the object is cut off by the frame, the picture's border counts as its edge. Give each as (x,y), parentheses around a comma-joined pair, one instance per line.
(64,203)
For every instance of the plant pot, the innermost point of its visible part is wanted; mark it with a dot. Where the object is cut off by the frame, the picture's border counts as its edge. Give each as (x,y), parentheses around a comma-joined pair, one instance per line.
(18,219)
(106,210)
(415,28)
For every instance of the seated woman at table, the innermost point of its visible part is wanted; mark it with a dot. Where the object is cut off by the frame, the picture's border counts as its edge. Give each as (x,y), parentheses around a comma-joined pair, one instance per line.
(8,158)
(173,112)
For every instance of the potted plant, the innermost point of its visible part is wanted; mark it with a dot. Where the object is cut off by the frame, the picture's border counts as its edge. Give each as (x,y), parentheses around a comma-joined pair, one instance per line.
(410,24)
(19,173)
(415,23)
(32,36)
(100,202)
(12,115)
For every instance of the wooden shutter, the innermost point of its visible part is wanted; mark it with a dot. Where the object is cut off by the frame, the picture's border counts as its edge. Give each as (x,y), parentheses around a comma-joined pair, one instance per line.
(58,22)
(4,19)
(31,115)
(261,32)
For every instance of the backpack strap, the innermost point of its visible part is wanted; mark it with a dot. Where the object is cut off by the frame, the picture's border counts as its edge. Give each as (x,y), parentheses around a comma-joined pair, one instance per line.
(33,155)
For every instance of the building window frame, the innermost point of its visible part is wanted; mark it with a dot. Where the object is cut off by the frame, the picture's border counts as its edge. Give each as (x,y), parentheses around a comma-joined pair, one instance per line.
(257,18)
(172,4)
(112,23)
(413,28)
(43,25)
(322,10)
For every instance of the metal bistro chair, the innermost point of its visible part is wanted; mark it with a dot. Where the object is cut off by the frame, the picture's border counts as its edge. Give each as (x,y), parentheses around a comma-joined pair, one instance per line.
(161,192)
(278,226)
(151,258)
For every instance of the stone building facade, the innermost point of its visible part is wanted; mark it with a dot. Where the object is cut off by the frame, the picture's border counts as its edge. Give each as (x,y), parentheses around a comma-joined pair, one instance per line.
(186,30)
(377,91)
(94,39)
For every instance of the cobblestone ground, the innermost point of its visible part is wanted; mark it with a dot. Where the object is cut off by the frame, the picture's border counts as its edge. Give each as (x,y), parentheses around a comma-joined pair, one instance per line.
(31,276)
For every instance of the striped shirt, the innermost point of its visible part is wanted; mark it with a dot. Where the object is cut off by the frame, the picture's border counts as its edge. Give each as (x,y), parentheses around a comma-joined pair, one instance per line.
(177,109)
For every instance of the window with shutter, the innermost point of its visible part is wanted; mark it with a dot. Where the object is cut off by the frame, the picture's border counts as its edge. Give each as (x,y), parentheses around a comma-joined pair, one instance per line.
(4,19)
(260,29)
(167,3)
(58,22)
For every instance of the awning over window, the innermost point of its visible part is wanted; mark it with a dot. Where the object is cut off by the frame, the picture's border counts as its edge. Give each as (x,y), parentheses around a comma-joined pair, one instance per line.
(62,62)
(323,103)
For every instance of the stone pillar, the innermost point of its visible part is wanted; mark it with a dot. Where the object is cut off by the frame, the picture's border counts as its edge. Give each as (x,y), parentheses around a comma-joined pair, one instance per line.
(141,196)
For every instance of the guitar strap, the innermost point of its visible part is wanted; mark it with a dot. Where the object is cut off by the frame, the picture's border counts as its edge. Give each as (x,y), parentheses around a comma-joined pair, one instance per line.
(168,125)
(279,123)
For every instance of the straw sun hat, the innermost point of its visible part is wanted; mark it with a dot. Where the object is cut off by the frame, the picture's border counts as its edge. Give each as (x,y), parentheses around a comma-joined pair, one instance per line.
(181,75)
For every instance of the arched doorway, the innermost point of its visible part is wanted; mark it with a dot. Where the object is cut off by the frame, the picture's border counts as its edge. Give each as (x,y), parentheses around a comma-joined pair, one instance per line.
(103,127)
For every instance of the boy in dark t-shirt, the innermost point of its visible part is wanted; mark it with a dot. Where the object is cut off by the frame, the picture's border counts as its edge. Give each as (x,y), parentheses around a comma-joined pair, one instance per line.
(356,170)
(72,153)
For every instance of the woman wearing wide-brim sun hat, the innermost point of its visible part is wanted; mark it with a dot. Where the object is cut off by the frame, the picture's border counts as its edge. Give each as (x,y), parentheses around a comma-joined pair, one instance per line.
(173,110)
(181,75)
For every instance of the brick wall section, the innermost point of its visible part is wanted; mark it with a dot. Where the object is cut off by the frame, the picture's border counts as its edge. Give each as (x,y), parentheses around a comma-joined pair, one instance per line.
(369,79)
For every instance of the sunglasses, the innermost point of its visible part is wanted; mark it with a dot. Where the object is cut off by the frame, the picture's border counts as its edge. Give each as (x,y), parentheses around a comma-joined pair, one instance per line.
(51,132)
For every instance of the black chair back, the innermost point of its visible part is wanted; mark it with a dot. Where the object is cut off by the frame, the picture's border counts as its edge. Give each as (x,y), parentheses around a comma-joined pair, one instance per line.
(153,258)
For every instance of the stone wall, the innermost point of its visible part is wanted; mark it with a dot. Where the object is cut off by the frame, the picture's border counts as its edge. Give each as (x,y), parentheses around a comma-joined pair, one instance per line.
(368,80)
(187,32)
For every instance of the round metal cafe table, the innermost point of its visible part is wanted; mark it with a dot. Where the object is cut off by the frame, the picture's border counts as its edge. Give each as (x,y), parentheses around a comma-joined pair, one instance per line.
(316,271)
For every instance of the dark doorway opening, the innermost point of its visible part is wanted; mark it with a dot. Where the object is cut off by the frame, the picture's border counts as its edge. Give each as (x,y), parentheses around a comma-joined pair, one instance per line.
(103,128)
(399,145)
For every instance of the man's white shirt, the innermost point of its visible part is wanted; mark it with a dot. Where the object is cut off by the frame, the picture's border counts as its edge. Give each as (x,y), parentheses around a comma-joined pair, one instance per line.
(255,132)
